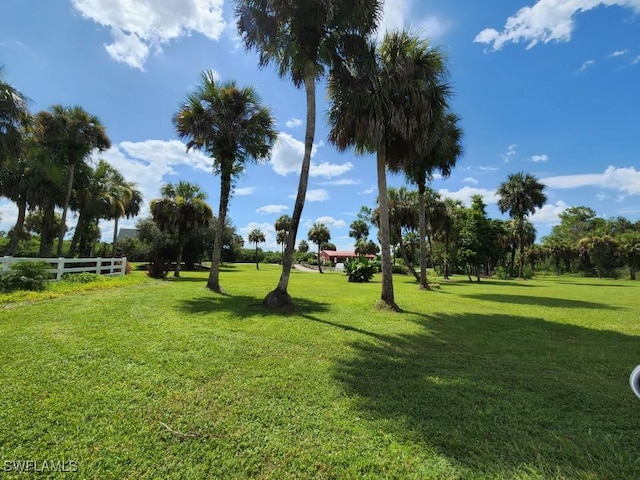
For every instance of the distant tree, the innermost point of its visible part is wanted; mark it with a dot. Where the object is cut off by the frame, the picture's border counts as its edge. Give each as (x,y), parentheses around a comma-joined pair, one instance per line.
(520,195)
(303,246)
(601,253)
(231,126)
(14,118)
(302,39)
(319,234)
(282,226)
(329,246)
(359,230)
(629,248)
(181,209)
(256,236)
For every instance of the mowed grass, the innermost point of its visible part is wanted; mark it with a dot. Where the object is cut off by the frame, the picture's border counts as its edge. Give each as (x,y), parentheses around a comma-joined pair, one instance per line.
(164,379)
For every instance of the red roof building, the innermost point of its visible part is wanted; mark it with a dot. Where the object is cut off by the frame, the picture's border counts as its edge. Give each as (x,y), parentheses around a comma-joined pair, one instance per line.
(340,256)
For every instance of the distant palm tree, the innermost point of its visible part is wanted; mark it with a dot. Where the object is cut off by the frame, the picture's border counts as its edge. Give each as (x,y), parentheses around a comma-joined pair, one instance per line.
(181,209)
(126,201)
(282,226)
(256,236)
(520,195)
(14,117)
(302,39)
(70,134)
(375,102)
(319,234)
(231,126)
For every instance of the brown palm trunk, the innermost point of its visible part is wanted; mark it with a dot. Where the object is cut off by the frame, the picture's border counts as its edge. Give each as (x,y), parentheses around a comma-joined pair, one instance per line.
(176,272)
(225,190)
(405,259)
(47,233)
(387,295)
(16,233)
(257,265)
(521,245)
(422,231)
(63,227)
(115,236)
(279,297)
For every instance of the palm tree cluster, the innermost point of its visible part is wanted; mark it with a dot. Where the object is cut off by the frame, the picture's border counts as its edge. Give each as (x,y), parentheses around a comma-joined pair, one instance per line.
(46,165)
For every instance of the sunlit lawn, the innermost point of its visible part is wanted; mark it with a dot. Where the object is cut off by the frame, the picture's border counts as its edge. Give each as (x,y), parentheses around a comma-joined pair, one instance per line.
(163,379)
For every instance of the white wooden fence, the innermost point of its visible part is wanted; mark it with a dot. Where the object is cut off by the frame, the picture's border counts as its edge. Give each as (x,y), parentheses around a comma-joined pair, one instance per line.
(60,266)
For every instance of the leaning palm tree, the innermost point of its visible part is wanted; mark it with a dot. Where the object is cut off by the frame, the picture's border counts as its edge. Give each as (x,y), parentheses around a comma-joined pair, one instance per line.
(181,210)
(302,39)
(520,195)
(374,102)
(70,134)
(14,117)
(256,236)
(319,234)
(231,126)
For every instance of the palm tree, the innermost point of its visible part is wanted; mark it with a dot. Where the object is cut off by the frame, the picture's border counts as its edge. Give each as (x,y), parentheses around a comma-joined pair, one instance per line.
(181,210)
(282,226)
(14,117)
(319,234)
(256,236)
(126,202)
(521,194)
(303,39)
(375,103)
(70,134)
(231,126)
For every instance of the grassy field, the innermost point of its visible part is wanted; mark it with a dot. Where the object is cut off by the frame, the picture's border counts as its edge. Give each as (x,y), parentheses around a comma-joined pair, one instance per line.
(136,378)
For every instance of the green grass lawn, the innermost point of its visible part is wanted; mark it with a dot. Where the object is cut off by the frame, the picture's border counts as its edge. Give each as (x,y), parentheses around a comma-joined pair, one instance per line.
(136,378)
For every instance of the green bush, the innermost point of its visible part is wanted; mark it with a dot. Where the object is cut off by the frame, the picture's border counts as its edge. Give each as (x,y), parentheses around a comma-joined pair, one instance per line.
(82,277)
(25,276)
(503,273)
(400,269)
(360,270)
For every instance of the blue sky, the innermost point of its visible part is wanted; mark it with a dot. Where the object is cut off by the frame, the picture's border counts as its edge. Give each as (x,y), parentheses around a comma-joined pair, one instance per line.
(547,87)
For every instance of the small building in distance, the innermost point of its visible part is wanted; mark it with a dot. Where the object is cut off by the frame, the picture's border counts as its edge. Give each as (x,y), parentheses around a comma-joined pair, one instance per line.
(332,257)
(125,233)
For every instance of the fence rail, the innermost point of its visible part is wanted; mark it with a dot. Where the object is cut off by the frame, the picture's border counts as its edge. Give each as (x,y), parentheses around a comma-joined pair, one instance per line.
(60,266)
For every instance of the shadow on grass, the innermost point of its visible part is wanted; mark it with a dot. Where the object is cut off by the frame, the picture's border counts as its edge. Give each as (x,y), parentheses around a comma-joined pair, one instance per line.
(540,301)
(244,306)
(504,396)
(603,284)
(485,281)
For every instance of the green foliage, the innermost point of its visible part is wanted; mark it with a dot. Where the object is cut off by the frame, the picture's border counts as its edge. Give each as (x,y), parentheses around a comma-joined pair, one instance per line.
(360,270)
(503,273)
(82,277)
(25,276)
(400,269)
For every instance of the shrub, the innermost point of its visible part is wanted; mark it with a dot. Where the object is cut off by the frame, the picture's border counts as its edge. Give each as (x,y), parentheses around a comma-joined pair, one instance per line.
(360,270)
(502,273)
(401,269)
(128,268)
(25,276)
(82,277)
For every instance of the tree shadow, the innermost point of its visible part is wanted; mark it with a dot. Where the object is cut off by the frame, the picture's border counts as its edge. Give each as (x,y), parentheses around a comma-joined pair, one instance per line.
(486,281)
(502,395)
(580,284)
(540,301)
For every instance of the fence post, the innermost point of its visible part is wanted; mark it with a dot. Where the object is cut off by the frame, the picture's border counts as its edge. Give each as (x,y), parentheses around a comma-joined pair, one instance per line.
(123,265)
(60,270)
(6,263)
(99,265)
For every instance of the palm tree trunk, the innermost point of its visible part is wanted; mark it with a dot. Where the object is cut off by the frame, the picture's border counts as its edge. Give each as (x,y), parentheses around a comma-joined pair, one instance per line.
(63,227)
(279,297)
(115,236)
(78,235)
(16,233)
(387,296)
(521,245)
(47,233)
(225,189)
(422,232)
(406,261)
(446,258)
(176,272)
(513,258)
(319,260)
(257,266)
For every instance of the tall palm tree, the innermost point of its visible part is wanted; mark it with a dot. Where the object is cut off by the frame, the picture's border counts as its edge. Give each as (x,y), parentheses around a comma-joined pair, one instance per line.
(14,117)
(282,226)
(256,236)
(319,234)
(231,126)
(70,134)
(302,39)
(126,201)
(375,102)
(181,209)
(520,195)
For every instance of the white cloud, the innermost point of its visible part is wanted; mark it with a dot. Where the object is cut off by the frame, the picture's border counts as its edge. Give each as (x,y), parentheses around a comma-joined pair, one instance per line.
(636,60)
(619,53)
(269,235)
(470,180)
(139,26)
(511,151)
(625,180)
(287,156)
(318,195)
(293,123)
(368,191)
(272,209)
(341,182)
(548,214)
(546,21)
(331,222)
(465,194)
(396,16)
(488,169)
(586,65)
(539,158)
(244,191)
(8,214)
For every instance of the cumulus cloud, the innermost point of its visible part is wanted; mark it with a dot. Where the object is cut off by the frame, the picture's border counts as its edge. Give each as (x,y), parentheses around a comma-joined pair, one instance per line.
(287,156)
(272,209)
(539,158)
(465,194)
(395,16)
(544,22)
(548,214)
(625,180)
(318,195)
(269,235)
(331,222)
(293,123)
(139,26)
